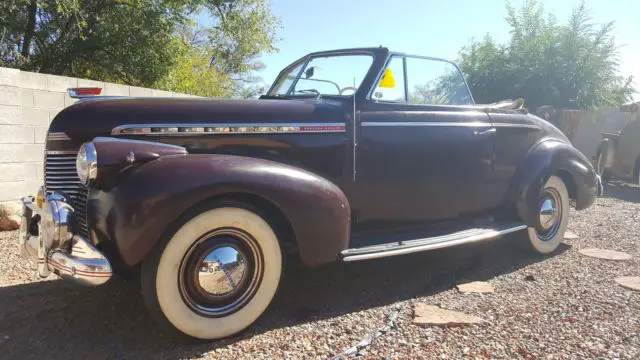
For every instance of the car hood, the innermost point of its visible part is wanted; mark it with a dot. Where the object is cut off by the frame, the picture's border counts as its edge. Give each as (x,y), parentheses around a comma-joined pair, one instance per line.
(90,118)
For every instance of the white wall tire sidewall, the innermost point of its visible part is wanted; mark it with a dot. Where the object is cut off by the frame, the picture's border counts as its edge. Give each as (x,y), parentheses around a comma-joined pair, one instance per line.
(549,246)
(170,301)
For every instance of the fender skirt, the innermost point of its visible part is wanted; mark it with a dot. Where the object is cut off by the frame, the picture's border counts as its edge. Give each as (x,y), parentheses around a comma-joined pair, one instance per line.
(139,210)
(551,157)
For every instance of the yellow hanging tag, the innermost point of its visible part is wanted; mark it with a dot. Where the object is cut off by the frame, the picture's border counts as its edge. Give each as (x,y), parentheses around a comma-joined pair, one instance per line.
(388,80)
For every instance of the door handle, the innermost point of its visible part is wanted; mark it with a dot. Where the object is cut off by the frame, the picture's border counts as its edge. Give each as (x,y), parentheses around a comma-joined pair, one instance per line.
(485,132)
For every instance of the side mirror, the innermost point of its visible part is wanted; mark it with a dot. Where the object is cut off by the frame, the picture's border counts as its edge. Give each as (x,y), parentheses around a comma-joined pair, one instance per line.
(309,72)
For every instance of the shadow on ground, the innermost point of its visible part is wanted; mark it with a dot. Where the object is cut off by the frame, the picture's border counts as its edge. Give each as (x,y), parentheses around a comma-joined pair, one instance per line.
(58,320)
(623,191)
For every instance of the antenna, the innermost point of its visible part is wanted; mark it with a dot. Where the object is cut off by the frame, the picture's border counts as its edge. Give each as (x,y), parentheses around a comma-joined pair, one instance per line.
(355,126)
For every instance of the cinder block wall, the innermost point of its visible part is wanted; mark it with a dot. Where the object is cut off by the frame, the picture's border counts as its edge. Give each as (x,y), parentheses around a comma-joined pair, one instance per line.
(28,103)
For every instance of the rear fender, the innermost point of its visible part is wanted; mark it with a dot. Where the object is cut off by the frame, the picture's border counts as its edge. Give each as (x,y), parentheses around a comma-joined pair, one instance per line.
(551,157)
(141,208)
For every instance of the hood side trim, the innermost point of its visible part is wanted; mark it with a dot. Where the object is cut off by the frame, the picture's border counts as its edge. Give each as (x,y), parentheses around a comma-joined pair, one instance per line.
(188,129)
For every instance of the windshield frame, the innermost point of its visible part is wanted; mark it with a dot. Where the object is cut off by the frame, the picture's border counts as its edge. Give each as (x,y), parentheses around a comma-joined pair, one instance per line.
(304,61)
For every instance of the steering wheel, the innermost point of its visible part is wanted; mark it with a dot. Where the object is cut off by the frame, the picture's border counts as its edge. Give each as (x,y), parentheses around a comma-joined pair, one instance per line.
(348,88)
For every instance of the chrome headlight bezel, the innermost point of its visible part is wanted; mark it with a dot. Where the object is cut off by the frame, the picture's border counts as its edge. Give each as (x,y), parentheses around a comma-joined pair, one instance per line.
(87,163)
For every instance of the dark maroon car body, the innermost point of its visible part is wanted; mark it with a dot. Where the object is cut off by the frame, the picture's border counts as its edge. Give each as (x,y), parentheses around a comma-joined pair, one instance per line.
(355,171)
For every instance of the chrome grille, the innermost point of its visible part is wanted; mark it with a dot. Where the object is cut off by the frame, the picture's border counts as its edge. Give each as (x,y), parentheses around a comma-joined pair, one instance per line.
(60,176)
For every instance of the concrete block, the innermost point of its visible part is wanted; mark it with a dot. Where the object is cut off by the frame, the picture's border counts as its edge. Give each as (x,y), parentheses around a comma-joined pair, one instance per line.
(33,152)
(140,92)
(16,134)
(9,77)
(53,113)
(161,93)
(115,90)
(13,190)
(10,95)
(11,153)
(26,98)
(10,114)
(31,80)
(68,100)
(16,172)
(36,117)
(39,170)
(48,99)
(91,83)
(31,187)
(40,135)
(60,83)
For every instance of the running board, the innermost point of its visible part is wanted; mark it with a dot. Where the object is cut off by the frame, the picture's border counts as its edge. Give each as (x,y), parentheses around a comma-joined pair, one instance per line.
(430,243)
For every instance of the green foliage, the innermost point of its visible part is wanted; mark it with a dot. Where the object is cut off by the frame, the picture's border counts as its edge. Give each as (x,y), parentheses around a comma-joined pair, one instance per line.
(192,75)
(571,66)
(153,43)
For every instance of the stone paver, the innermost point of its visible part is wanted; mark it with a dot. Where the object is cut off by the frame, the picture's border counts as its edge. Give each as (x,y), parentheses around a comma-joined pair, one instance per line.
(570,235)
(605,254)
(629,282)
(427,315)
(476,287)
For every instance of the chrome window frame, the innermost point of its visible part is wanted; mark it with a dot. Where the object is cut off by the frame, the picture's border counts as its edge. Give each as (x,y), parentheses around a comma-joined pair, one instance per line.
(305,61)
(406,79)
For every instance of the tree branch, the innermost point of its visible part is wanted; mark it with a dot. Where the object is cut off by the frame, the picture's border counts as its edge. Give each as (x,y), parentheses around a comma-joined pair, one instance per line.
(32,9)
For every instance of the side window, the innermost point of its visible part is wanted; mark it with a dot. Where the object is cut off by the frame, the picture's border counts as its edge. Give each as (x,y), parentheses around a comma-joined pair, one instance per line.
(435,82)
(391,86)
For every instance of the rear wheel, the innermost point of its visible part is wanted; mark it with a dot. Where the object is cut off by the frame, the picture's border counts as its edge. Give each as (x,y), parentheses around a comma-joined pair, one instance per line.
(215,275)
(600,167)
(553,212)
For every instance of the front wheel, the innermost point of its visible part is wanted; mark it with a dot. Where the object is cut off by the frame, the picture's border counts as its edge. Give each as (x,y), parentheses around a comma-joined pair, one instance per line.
(553,212)
(215,275)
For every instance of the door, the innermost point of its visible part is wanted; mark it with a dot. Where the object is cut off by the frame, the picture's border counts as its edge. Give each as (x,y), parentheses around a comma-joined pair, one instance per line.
(423,154)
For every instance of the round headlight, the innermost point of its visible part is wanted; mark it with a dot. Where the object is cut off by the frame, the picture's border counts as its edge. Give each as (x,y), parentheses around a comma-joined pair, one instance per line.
(87,163)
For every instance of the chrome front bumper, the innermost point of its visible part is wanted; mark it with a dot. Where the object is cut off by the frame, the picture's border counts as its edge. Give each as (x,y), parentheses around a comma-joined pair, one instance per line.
(46,233)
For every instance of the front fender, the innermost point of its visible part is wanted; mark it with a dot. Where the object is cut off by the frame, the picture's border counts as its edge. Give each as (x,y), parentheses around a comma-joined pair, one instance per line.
(140,209)
(551,157)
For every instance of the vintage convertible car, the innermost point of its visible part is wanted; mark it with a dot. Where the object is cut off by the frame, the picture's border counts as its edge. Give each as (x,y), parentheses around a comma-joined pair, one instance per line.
(618,153)
(352,155)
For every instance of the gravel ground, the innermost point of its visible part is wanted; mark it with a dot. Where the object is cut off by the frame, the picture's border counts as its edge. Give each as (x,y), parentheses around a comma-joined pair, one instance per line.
(566,306)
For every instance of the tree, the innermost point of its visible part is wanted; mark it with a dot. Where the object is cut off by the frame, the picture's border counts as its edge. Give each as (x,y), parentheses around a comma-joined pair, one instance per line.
(138,42)
(572,66)
(241,31)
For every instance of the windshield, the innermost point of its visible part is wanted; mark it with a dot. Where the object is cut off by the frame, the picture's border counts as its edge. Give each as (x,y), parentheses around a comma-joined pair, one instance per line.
(324,75)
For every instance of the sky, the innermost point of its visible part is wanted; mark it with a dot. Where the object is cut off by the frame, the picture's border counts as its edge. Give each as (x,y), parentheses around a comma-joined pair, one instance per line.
(426,27)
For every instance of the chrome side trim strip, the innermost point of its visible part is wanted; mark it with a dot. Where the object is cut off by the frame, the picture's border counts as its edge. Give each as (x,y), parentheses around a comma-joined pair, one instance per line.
(513,125)
(183,129)
(424,123)
(449,124)
(59,152)
(57,136)
(490,234)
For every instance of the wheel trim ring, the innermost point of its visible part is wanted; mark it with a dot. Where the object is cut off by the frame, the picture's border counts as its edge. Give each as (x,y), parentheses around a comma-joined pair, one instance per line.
(255,278)
(554,196)
(600,164)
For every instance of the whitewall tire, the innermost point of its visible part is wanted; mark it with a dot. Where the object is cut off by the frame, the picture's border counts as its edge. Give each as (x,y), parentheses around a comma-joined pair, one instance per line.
(554,218)
(215,275)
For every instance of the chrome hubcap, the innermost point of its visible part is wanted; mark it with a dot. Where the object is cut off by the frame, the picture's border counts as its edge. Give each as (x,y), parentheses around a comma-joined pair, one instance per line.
(550,214)
(221,272)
